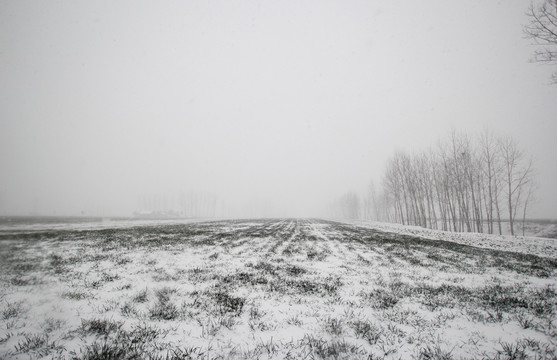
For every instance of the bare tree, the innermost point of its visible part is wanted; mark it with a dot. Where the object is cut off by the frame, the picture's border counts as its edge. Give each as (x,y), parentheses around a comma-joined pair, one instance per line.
(491,168)
(517,175)
(373,204)
(542,28)
(532,187)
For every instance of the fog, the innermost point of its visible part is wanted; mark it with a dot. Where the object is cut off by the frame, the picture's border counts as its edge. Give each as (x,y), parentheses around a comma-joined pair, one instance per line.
(266,108)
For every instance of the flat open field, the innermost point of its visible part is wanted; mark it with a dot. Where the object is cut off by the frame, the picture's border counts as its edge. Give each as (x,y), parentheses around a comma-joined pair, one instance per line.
(270,289)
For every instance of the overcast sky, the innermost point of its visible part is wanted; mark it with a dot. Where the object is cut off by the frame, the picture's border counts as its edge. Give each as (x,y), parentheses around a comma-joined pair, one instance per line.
(291,103)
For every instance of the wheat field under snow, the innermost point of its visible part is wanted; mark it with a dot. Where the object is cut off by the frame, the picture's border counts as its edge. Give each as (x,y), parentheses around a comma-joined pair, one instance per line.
(276,288)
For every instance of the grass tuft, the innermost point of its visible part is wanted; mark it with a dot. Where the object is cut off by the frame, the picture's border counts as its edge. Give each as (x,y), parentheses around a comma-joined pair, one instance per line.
(164,310)
(110,350)
(382,299)
(333,326)
(36,344)
(366,330)
(434,352)
(141,296)
(103,327)
(331,349)
(12,310)
(75,295)
(512,351)
(227,303)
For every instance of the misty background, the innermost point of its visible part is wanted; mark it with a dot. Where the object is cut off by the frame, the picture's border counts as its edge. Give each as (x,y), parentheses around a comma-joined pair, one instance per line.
(270,108)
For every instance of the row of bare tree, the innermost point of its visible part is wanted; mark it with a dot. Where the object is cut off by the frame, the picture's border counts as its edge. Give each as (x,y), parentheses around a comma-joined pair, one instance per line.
(192,204)
(465,184)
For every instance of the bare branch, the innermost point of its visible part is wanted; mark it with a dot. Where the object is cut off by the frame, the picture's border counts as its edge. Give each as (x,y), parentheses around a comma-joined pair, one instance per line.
(543,30)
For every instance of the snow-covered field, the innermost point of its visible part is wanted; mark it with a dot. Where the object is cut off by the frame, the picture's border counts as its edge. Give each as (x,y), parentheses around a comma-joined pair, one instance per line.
(524,244)
(20,225)
(274,289)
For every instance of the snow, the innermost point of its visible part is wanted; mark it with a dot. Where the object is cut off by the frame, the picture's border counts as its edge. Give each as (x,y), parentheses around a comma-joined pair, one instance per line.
(545,247)
(110,272)
(108,223)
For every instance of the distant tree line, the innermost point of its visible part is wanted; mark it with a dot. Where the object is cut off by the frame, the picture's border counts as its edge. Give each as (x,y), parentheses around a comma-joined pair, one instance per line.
(465,184)
(347,206)
(192,204)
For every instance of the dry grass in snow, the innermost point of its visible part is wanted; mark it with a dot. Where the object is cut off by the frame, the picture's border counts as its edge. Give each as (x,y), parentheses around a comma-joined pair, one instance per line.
(270,289)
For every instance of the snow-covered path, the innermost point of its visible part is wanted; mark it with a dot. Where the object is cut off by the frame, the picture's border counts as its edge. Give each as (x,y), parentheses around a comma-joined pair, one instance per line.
(523,244)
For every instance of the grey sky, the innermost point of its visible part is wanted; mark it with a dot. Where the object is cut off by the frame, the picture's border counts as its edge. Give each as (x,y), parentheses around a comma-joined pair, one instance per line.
(290,103)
